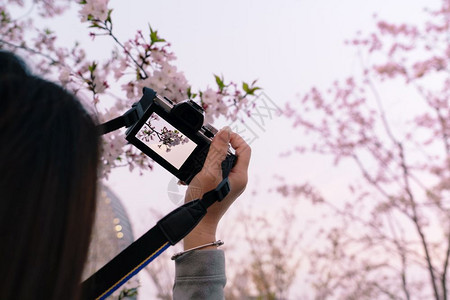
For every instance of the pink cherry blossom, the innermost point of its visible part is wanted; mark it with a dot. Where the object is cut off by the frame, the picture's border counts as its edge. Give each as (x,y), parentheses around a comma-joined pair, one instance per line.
(133,64)
(97,9)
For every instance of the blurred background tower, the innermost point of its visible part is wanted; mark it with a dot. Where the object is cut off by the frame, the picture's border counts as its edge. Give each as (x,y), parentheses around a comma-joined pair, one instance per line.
(112,234)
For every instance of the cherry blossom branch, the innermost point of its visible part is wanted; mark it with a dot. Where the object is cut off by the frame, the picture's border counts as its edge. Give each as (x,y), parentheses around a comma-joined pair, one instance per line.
(381,111)
(415,219)
(391,295)
(414,215)
(444,127)
(403,275)
(445,269)
(445,140)
(442,120)
(402,253)
(387,127)
(51,59)
(447,147)
(377,232)
(366,175)
(140,66)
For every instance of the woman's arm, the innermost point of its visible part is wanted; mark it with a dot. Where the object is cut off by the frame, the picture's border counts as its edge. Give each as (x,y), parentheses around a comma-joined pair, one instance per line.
(201,274)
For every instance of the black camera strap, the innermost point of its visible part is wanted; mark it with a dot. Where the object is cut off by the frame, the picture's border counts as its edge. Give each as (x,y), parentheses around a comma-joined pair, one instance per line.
(168,231)
(131,116)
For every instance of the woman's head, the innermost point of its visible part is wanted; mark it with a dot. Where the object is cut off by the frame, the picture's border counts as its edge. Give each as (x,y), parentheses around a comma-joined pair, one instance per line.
(48,166)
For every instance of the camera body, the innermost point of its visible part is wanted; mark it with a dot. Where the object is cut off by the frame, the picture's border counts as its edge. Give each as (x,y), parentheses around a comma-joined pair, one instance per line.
(174,135)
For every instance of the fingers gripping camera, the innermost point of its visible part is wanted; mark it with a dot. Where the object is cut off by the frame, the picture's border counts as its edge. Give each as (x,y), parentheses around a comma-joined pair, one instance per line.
(174,135)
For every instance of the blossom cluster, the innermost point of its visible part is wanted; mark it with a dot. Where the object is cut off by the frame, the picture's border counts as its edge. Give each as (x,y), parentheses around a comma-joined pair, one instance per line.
(94,10)
(398,145)
(144,60)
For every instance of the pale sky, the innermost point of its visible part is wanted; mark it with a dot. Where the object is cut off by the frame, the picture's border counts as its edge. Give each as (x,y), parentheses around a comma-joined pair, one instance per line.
(287,45)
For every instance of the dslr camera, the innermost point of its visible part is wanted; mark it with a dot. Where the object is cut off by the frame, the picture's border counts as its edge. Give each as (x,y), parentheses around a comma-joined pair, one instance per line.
(173,135)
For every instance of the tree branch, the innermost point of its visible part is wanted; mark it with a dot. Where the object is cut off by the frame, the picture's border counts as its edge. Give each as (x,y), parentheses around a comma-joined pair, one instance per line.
(110,33)
(415,219)
(23,47)
(445,269)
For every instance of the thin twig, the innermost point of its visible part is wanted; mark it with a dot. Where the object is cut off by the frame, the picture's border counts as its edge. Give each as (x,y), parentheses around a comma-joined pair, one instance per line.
(110,33)
(23,47)
(415,219)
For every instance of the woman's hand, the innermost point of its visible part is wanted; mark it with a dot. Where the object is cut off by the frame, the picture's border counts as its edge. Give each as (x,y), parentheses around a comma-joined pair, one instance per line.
(208,179)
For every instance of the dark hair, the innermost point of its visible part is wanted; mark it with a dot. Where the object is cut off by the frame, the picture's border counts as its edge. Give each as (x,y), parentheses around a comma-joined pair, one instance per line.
(11,64)
(48,184)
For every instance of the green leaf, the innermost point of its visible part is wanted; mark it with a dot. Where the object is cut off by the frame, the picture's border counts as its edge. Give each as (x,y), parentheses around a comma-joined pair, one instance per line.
(252,90)
(189,94)
(138,74)
(154,38)
(128,293)
(94,25)
(108,19)
(92,67)
(245,87)
(219,82)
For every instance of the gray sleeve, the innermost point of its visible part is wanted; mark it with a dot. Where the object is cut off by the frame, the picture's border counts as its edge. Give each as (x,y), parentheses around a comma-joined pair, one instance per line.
(200,274)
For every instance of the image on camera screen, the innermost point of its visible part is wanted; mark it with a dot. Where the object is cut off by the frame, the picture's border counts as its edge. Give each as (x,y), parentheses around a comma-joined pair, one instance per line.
(167,141)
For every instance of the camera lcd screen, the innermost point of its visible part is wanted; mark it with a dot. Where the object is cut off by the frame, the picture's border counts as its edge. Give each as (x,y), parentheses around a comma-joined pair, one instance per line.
(167,141)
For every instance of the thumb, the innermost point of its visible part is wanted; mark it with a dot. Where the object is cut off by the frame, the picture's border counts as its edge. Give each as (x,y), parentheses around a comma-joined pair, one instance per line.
(218,150)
